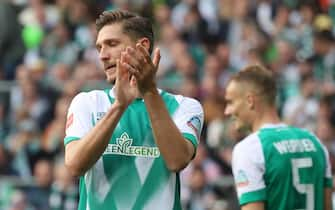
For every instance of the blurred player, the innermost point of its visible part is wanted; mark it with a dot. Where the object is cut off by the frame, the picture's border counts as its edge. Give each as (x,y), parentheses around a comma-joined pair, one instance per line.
(277,166)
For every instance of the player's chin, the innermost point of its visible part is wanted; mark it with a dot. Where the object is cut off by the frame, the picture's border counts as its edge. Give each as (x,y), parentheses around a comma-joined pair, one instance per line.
(111,78)
(238,124)
(243,128)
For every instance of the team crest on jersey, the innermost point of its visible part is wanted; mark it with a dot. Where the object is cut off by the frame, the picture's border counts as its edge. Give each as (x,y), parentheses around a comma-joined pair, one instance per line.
(124,146)
(195,123)
(241,179)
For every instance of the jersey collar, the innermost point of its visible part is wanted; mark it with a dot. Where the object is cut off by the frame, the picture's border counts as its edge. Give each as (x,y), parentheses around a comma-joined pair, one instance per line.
(112,92)
(273,125)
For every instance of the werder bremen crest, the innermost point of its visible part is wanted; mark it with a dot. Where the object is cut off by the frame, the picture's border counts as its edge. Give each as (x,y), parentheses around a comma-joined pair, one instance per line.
(124,146)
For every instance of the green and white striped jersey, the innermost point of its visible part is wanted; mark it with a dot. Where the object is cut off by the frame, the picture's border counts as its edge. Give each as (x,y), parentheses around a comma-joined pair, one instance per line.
(286,167)
(131,174)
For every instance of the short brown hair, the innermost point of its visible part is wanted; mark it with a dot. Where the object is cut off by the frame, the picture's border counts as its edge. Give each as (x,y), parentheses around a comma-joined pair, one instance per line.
(261,79)
(132,24)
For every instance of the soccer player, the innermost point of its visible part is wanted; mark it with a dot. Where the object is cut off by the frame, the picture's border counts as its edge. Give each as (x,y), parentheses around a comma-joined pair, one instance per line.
(277,166)
(128,143)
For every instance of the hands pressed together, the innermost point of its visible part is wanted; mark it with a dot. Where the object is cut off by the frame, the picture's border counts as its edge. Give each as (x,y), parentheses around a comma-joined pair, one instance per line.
(135,73)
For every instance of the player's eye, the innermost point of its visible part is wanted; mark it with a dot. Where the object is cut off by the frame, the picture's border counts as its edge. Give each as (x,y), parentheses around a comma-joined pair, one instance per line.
(112,43)
(98,47)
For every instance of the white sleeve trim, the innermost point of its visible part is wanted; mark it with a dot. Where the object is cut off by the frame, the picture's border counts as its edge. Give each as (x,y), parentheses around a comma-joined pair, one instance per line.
(248,165)
(189,116)
(79,113)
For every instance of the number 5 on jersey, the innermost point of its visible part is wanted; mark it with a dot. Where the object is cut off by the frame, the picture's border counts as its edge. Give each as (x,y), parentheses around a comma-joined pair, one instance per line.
(308,189)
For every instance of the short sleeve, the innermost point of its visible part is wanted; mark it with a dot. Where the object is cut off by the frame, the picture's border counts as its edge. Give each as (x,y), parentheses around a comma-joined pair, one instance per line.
(189,118)
(248,170)
(79,118)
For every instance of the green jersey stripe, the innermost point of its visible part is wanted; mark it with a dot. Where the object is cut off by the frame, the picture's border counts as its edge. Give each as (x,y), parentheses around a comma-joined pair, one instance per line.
(259,195)
(170,102)
(176,205)
(109,96)
(83,194)
(328,182)
(69,139)
(191,138)
(154,182)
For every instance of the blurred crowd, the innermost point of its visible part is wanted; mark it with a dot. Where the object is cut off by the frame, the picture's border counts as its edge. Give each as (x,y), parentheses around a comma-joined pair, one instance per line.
(48,55)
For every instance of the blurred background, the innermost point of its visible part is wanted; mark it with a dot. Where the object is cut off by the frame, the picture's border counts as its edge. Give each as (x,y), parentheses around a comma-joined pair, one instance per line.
(48,55)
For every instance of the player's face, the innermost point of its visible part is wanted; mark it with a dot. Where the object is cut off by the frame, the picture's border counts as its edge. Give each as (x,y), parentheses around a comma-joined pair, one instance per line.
(111,41)
(236,105)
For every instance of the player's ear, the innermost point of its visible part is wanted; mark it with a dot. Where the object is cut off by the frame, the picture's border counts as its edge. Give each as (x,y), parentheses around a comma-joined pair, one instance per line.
(250,101)
(144,42)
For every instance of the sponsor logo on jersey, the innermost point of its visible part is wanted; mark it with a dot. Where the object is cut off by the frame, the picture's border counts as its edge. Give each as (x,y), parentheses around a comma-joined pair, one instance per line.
(195,123)
(100,115)
(69,121)
(124,146)
(241,179)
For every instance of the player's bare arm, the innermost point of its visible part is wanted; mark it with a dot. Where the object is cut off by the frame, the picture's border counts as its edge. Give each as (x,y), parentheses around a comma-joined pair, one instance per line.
(328,198)
(253,206)
(177,151)
(81,155)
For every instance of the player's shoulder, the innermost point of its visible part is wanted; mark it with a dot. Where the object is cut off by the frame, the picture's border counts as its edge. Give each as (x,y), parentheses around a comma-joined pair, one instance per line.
(248,149)
(304,132)
(298,129)
(92,94)
(90,98)
(249,143)
(313,136)
(184,100)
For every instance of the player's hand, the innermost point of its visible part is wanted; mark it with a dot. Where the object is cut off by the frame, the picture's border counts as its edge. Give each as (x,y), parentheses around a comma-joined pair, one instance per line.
(125,84)
(143,67)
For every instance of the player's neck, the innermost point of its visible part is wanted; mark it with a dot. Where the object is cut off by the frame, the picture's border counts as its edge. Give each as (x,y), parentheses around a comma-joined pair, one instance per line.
(268,116)
(138,94)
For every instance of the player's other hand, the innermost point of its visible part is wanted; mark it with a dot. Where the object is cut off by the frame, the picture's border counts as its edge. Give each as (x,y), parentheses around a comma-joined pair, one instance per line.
(125,84)
(143,67)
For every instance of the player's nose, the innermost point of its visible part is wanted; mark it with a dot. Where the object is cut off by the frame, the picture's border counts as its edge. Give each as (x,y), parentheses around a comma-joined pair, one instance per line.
(227,111)
(104,54)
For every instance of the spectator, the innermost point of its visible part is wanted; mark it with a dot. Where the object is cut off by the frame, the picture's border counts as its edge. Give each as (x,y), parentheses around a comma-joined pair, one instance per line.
(38,195)
(64,193)
(6,168)
(301,110)
(11,44)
